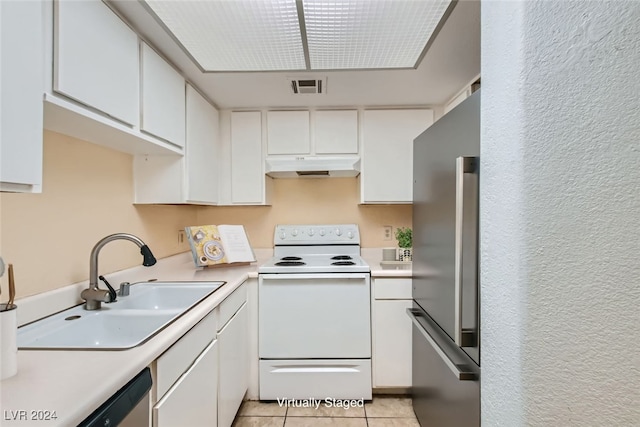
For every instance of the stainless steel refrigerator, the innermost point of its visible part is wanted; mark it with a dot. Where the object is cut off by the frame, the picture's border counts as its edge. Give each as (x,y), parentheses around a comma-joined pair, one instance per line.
(445,313)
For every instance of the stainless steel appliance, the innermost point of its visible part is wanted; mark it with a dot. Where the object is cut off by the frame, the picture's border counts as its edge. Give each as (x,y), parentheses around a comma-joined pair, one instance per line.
(314,315)
(128,407)
(445,313)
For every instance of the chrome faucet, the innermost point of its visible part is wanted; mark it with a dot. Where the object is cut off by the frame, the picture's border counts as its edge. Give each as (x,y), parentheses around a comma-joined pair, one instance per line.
(94,296)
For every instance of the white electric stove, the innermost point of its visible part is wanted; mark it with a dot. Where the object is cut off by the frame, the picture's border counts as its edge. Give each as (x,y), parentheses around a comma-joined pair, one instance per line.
(315,315)
(316,249)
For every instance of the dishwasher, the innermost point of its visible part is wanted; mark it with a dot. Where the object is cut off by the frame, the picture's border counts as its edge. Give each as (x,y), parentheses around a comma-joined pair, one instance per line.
(128,407)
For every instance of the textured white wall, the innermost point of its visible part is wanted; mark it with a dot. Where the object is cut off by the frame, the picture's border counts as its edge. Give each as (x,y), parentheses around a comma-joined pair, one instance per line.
(560,213)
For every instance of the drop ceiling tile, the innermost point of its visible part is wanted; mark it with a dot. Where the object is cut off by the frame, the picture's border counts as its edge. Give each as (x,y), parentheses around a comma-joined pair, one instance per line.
(236,35)
(370,33)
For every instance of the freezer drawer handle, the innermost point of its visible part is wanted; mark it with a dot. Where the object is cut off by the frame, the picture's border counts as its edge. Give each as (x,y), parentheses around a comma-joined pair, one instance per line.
(458,370)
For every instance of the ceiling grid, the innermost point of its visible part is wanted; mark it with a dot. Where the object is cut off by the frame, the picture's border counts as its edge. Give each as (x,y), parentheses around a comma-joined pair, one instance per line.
(302,35)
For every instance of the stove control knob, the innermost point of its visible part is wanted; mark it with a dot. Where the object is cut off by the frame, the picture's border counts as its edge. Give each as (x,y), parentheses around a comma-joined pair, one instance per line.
(350,235)
(311,232)
(338,232)
(294,233)
(283,235)
(322,232)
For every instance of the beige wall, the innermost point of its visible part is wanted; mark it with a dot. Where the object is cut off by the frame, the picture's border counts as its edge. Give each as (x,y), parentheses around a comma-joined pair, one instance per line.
(88,193)
(311,201)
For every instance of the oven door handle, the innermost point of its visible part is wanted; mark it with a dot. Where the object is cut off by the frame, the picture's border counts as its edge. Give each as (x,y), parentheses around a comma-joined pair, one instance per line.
(274,276)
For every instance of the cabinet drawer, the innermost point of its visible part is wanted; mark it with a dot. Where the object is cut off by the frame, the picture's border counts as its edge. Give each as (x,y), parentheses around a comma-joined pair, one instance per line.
(177,359)
(230,305)
(337,379)
(392,288)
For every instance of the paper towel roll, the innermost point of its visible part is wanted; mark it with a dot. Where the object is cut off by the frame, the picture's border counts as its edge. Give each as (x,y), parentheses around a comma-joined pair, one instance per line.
(8,341)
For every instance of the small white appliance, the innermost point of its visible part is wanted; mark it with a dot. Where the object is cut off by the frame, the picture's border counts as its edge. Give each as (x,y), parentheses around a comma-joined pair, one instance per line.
(315,315)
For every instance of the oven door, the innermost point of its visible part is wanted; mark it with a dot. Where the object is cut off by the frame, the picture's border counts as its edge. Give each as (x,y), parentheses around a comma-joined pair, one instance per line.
(315,316)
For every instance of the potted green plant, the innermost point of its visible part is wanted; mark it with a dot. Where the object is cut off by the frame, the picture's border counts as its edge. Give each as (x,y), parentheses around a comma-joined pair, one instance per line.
(404,236)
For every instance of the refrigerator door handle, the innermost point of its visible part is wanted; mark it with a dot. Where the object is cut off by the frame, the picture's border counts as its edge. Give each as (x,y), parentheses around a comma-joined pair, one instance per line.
(464,165)
(458,370)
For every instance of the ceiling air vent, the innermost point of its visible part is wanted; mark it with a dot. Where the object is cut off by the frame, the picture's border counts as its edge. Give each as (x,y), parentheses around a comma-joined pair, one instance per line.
(303,86)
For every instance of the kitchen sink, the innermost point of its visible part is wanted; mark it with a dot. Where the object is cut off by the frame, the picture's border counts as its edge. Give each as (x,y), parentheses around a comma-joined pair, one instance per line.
(125,323)
(162,296)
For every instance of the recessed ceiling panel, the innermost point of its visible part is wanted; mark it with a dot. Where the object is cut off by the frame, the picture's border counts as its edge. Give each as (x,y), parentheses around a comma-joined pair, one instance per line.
(236,35)
(365,34)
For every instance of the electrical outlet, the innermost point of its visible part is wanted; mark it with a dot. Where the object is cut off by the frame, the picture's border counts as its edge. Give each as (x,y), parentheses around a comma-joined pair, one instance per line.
(181,238)
(388,231)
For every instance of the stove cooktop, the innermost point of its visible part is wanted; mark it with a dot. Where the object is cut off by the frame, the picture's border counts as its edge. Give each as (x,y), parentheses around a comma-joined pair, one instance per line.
(317,263)
(314,248)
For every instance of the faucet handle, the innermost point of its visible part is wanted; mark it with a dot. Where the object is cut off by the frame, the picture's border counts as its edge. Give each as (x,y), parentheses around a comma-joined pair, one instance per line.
(124,289)
(112,292)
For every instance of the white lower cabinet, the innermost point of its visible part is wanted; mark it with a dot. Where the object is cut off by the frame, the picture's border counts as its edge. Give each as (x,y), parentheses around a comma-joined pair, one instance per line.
(233,375)
(233,369)
(391,333)
(192,401)
(185,379)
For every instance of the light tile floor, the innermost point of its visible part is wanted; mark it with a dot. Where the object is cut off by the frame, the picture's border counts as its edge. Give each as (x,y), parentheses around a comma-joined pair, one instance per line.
(383,411)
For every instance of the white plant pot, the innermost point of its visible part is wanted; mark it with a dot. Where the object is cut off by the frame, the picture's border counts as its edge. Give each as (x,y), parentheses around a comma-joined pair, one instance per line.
(405,254)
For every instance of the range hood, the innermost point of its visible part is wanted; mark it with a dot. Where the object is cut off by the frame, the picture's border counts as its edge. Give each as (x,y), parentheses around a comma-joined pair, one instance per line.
(312,167)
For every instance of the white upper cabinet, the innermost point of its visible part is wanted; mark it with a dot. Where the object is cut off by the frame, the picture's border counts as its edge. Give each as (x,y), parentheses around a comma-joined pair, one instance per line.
(387,153)
(288,132)
(247,161)
(202,149)
(336,132)
(21,86)
(96,60)
(163,98)
(192,178)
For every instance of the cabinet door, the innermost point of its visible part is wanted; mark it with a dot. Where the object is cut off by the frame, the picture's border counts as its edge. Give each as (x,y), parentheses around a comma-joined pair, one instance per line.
(96,59)
(392,344)
(163,98)
(247,172)
(201,151)
(387,154)
(288,132)
(192,401)
(234,366)
(336,132)
(21,86)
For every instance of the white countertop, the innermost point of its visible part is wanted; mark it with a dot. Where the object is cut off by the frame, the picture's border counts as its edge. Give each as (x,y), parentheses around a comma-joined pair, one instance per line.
(373,256)
(74,383)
